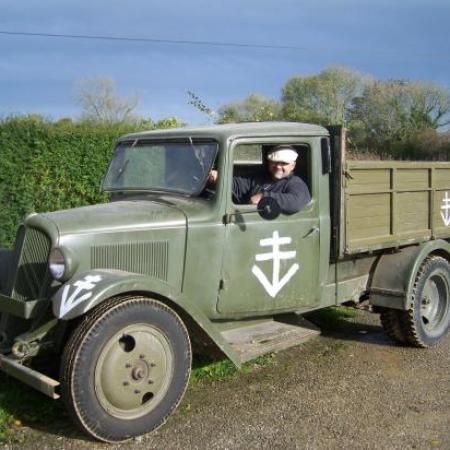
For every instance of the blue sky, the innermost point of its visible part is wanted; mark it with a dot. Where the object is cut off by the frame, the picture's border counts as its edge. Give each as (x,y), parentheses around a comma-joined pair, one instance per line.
(385,38)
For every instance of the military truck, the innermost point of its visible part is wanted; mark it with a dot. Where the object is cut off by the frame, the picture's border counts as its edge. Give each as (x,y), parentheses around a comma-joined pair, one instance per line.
(118,293)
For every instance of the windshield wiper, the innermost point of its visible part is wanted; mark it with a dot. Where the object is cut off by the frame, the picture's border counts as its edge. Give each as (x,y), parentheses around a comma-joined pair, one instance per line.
(122,168)
(197,155)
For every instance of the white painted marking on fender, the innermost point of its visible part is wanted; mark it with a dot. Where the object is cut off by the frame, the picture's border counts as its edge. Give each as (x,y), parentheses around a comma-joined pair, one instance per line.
(70,302)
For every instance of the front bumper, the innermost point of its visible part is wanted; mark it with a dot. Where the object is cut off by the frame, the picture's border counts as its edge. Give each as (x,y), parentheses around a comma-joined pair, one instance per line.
(33,378)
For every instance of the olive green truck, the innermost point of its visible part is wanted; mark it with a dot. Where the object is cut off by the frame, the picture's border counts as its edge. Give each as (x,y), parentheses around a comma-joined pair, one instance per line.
(117,294)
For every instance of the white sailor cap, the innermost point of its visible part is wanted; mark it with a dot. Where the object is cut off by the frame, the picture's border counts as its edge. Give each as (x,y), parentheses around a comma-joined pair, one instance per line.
(282,154)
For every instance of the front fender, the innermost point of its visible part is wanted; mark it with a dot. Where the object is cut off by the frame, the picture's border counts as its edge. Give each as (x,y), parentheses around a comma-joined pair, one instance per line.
(88,289)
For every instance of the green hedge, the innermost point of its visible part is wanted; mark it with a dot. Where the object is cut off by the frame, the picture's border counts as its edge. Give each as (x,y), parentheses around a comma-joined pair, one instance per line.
(46,166)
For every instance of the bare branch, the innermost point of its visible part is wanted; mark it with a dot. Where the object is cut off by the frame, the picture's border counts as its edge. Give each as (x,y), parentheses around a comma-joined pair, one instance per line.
(100,103)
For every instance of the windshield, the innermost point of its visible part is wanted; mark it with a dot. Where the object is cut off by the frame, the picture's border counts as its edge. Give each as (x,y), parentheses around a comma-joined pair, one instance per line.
(161,166)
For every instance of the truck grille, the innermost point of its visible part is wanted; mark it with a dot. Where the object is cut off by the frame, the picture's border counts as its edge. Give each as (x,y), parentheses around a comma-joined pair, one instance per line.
(32,276)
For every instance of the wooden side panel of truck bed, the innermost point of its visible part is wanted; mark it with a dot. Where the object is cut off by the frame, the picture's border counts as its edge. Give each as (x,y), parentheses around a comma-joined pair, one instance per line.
(392,203)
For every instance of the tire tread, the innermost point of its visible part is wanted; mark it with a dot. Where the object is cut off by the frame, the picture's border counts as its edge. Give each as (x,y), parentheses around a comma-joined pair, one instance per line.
(391,323)
(407,320)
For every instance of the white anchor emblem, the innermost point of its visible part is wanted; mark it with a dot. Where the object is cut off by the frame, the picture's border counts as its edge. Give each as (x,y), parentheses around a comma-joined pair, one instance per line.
(445,213)
(69,302)
(276,255)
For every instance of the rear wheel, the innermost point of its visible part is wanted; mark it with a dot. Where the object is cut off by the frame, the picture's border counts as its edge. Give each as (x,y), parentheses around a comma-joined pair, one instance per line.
(125,368)
(392,324)
(428,318)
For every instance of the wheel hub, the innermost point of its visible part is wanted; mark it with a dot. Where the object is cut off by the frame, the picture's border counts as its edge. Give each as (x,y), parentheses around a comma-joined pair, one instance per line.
(435,302)
(139,371)
(134,371)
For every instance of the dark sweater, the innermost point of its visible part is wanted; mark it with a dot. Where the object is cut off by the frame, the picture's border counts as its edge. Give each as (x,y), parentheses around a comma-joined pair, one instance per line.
(291,192)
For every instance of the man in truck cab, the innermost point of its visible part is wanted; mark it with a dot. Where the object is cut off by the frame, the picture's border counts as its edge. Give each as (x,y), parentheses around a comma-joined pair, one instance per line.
(278,181)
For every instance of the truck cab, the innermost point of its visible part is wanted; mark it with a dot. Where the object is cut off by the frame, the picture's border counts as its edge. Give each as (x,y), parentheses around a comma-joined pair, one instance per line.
(266,255)
(222,266)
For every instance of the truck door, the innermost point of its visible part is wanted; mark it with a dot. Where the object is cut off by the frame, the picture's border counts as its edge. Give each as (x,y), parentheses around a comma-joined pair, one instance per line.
(270,266)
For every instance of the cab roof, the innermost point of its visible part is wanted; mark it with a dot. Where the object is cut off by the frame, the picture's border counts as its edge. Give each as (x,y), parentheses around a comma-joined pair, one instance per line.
(233,130)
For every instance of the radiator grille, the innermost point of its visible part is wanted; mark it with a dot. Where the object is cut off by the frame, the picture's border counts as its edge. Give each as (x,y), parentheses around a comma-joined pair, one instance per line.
(146,258)
(32,275)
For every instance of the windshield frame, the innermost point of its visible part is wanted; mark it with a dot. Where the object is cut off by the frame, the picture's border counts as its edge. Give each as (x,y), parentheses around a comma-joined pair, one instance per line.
(189,140)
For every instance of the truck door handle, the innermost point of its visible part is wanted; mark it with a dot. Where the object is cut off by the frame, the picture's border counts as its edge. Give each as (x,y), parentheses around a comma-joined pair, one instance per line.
(312,232)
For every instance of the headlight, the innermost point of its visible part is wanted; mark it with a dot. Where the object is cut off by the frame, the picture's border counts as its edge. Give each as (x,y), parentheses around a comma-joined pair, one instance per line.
(57,263)
(62,263)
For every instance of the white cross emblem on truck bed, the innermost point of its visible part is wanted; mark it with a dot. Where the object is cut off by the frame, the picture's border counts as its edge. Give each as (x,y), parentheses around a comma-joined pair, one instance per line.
(445,213)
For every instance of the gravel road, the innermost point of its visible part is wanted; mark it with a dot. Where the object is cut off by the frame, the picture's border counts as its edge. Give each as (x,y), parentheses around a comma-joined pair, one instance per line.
(349,388)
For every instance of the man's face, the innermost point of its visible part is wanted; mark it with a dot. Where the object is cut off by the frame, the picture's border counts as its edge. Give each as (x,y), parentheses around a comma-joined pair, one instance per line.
(280,170)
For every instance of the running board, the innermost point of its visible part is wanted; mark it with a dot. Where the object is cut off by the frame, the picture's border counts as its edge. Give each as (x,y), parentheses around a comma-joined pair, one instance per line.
(269,336)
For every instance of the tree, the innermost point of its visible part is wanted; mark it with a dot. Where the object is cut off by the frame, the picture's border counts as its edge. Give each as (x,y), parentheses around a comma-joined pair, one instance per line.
(389,112)
(430,105)
(254,108)
(168,122)
(423,144)
(325,98)
(394,118)
(377,115)
(100,103)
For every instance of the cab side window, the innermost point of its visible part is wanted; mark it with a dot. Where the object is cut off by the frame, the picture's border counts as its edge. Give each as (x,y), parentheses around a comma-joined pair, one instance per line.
(250,160)
(247,160)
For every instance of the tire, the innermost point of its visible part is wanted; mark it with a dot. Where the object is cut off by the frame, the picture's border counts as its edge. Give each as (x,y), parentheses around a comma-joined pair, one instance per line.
(125,368)
(428,318)
(392,324)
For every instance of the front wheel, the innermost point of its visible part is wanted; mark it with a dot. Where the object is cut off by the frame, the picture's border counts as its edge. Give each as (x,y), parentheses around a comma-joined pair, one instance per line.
(125,368)
(428,318)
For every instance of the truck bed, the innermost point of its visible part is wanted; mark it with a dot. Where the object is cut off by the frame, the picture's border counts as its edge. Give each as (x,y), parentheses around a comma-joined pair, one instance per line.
(391,203)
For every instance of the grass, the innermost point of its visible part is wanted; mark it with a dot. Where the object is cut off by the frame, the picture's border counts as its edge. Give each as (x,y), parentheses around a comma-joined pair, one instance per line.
(6,424)
(333,318)
(205,368)
(22,406)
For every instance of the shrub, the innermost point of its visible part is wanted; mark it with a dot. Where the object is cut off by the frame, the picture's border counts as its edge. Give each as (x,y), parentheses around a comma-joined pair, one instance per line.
(46,166)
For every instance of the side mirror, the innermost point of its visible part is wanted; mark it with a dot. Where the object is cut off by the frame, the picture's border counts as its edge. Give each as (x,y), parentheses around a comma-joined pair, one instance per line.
(268,208)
